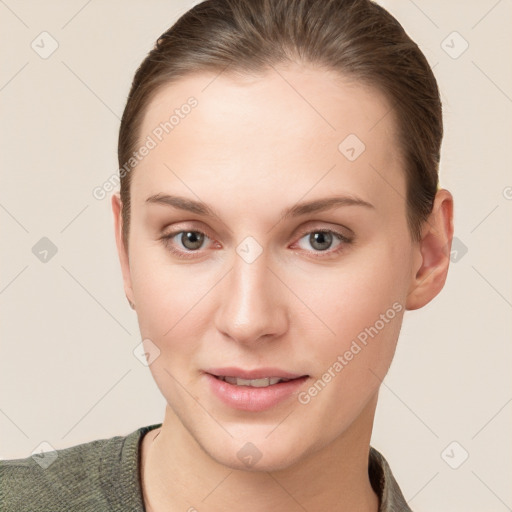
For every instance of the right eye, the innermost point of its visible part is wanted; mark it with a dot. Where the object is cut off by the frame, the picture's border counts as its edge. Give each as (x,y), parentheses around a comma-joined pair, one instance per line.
(185,242)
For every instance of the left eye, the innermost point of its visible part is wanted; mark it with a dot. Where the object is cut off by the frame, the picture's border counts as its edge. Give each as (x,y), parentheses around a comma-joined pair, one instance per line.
(321,240)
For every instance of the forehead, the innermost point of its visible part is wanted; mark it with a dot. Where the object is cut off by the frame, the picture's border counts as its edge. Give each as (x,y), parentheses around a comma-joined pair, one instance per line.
(278,129)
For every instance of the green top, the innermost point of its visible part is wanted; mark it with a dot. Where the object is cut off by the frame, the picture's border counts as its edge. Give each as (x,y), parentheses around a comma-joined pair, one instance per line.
(104,475)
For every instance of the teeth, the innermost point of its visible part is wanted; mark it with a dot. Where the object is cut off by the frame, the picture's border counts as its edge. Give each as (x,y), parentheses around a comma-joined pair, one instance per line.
(255,383)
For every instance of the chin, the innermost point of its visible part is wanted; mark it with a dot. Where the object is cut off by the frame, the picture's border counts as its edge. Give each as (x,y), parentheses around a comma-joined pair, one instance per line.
(263,462)
(257,453)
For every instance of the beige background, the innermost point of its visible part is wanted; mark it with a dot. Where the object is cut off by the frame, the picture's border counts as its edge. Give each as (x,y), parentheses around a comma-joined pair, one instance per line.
(67,371)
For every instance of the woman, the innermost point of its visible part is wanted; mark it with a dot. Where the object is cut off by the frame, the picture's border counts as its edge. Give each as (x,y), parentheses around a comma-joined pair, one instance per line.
(279,212)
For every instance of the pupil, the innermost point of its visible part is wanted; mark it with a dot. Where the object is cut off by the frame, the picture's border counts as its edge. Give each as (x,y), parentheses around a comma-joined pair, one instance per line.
(320,241)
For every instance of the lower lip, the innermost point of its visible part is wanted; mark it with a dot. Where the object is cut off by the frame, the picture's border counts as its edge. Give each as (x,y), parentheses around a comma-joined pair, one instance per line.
(248,398)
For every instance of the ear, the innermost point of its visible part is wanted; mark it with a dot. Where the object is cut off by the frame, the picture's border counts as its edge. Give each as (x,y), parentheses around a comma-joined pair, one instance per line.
(122,251)
(432,253)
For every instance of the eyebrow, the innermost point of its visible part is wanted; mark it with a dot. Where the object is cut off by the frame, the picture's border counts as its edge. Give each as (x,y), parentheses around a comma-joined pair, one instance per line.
(314,206)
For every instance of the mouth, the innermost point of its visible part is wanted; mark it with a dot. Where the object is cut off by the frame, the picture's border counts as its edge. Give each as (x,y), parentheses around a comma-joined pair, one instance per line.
(254,390)
(257,378)
(254,383)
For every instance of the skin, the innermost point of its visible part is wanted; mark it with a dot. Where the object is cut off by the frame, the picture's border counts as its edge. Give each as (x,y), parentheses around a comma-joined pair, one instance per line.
(252,147)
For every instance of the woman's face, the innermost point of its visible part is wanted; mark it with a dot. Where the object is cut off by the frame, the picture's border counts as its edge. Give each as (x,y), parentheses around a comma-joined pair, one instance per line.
(268,238)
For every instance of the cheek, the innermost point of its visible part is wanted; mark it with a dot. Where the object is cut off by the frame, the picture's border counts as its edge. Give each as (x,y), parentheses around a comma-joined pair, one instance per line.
(167,301)
(361,305)
(353,296)
(170,300)
(169,310)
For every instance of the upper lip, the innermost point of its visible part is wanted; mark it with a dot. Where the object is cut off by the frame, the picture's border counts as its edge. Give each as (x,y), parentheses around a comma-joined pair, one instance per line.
(257,373)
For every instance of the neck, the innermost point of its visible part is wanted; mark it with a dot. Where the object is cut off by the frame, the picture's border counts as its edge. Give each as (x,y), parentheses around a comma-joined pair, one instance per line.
(178,475)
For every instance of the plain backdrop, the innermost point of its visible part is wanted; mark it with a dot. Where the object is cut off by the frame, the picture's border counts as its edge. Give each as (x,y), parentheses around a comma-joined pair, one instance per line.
(68,374)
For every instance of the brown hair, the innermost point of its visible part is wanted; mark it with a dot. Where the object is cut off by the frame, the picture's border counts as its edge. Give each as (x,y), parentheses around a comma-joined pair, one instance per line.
(358,38)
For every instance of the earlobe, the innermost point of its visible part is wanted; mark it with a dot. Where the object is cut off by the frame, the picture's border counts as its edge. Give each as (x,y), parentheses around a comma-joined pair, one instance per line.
(433,253)
(122,250)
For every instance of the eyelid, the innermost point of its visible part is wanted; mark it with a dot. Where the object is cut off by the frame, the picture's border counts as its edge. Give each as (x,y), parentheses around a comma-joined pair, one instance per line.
(315,228)
(305,228)
(183,227)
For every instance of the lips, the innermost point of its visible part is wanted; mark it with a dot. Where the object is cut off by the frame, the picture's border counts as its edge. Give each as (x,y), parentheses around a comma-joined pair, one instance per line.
(253,390)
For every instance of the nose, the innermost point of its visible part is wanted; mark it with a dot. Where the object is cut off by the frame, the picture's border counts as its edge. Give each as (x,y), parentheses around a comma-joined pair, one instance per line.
(253,308)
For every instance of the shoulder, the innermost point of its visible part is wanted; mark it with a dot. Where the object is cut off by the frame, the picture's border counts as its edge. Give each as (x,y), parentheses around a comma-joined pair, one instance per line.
(55,480)
(84,477)
(384,484)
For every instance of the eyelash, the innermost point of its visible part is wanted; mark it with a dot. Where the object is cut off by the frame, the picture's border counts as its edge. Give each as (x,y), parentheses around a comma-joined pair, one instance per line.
(166,239)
